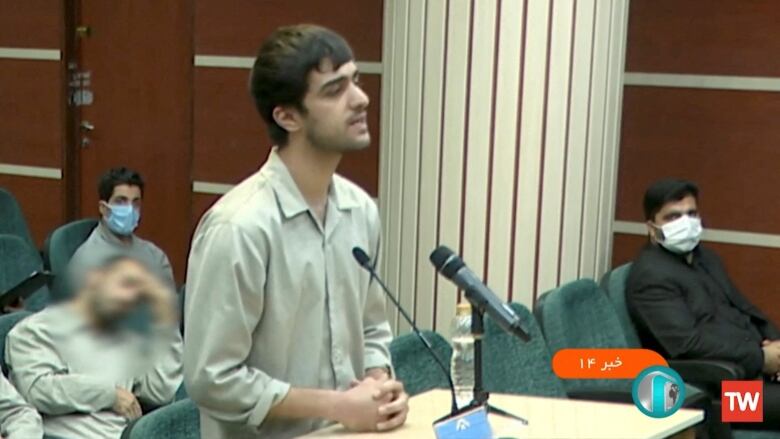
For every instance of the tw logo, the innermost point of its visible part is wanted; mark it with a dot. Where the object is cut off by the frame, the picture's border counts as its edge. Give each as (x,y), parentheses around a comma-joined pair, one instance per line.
(742,401)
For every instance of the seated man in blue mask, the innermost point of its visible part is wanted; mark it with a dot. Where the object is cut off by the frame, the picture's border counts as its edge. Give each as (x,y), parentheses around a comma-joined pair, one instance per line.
(683,301)
(121,194)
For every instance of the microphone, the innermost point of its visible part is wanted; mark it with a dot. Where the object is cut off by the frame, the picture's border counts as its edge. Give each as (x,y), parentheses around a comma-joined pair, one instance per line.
(362,258)
(453,268)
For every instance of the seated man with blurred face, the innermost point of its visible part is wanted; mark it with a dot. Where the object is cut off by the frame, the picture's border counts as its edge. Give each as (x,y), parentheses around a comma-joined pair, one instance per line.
(18,419)
(81,367)
(683,302)
(121,194)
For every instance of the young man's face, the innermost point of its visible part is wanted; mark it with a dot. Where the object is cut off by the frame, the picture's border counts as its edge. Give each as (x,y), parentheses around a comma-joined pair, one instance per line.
(335,118)
(123,194)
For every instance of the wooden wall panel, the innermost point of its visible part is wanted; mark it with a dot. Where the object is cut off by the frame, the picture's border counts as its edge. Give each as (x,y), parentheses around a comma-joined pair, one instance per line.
(625,248)
(41,200)
(31,119)
(704,37)
(32,23)
(752,269)
(200,204)
(727,141)
(238,27)
(231,141)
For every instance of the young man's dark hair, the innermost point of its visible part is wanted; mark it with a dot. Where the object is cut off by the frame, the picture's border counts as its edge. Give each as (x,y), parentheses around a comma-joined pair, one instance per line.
(281,71)
(664,191)
(117,177)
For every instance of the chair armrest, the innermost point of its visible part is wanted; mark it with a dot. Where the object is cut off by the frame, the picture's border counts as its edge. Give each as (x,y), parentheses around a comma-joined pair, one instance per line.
(707,371)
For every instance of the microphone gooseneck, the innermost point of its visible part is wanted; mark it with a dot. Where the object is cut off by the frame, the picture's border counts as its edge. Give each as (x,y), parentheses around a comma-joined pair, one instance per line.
(365,261)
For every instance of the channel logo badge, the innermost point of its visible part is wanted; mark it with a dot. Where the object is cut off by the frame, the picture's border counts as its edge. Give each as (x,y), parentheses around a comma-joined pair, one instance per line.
(658,391)
(742,401)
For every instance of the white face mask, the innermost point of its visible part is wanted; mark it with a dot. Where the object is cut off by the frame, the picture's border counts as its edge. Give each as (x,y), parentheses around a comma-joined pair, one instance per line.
(681,235)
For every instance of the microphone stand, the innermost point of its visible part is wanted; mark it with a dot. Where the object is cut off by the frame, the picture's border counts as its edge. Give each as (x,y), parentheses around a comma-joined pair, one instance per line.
(481,396)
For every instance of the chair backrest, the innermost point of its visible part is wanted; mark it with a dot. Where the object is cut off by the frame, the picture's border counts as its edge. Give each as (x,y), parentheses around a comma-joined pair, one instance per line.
(614,283)
(18,260)
(59,249)
(415,367)
(7,322)
(513,366)
(579,315)
(12,220)
(180,420)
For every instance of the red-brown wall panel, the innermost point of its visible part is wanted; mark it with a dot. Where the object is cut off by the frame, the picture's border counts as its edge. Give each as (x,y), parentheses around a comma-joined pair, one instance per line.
(238,27)
(625,248)
(200,204)
(230,139)
(41,200)
(727,141)
(31,23)
(752,269)
(30,113)
(704,37)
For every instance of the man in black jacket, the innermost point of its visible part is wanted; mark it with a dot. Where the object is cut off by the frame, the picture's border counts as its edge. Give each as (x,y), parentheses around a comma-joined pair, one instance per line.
(683,302)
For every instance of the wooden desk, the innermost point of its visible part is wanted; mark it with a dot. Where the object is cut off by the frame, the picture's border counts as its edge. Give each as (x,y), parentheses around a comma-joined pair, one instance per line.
(547,417)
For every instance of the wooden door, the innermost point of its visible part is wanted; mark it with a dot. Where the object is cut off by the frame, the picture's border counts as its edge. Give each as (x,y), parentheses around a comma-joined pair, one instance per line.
(135,60)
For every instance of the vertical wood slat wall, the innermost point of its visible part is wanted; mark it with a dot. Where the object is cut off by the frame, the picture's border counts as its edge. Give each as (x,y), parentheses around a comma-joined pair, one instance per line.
(500,128)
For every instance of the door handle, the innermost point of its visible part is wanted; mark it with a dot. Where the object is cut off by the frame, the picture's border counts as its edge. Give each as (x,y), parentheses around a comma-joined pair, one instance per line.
(87,126)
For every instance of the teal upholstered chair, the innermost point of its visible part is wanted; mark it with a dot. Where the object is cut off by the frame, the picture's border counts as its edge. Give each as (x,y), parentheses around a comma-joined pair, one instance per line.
(414,366)
(614,284)
(59,248)
(7,322)
(180,420)
(18,260)
(513,366)
(579,315)
(12,220)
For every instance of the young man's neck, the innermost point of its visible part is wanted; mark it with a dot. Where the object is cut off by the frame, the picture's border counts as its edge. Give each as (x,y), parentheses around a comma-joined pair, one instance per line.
(312,170)
(124,239)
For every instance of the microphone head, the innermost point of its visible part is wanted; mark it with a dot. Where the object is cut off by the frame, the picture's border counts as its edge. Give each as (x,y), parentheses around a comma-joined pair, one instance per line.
(446,261)
(361,257)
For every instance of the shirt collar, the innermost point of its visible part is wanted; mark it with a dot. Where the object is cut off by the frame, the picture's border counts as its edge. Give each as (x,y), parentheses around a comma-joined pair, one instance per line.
(288,195)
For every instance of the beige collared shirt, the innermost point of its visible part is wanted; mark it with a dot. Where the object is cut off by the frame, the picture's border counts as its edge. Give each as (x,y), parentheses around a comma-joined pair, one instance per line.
(69,371)
(18,419)
(275,300)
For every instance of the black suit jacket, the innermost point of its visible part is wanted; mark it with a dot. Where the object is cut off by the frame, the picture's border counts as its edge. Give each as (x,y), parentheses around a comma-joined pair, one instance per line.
(694,311)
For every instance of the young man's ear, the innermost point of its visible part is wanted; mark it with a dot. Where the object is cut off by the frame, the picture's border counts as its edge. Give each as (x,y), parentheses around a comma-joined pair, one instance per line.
(286,118)
(102,208)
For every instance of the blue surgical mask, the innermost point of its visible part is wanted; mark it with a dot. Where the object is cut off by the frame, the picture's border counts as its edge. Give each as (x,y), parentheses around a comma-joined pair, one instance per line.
(122,218)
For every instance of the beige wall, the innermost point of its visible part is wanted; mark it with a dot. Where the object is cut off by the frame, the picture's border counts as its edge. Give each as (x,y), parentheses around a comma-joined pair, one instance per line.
(499,138)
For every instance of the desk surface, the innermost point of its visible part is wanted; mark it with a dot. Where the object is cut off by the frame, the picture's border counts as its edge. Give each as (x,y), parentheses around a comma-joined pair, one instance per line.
(547,417)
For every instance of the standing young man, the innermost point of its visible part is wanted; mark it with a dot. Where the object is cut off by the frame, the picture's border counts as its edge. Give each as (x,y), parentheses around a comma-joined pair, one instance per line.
(286,332)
